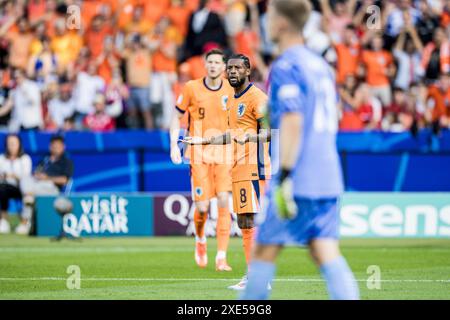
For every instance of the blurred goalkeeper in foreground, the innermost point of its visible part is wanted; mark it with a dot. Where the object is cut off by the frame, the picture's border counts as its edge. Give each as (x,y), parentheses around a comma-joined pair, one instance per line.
(303,198)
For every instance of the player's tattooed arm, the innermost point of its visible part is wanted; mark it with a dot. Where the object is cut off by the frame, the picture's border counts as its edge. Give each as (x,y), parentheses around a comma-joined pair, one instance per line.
(215,140)
(264,134)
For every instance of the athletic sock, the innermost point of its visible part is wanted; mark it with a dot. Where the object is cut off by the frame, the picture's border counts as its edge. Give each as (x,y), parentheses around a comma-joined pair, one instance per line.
(260,274)
(223,229)
(341,283)
(247,241)
(199,221)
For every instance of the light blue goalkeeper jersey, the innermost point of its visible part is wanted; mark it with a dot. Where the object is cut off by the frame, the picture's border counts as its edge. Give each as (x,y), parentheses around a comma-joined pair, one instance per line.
(301,81)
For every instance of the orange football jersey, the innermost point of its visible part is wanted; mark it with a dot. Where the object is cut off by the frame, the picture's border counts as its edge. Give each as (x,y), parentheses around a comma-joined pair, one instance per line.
(207,117)
(245,111)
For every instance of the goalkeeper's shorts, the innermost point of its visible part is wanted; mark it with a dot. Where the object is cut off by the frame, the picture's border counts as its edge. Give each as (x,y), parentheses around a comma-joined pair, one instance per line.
(316,218)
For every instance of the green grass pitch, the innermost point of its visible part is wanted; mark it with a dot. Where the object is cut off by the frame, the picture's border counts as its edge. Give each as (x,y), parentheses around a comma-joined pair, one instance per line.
(164,268)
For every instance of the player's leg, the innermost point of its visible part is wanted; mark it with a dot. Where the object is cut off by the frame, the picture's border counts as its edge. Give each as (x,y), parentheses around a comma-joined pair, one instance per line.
(248,193)
(321,216)
(245,204)
(261,272)
(272,234)
(200,184)
(222,183)
(340,280)
(246,222)
(223,231)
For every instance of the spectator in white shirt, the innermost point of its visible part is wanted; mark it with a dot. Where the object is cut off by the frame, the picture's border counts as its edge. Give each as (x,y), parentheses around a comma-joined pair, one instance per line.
(88,84)
(61,107)
(15,165)
(396,16)
(25,104)
(407,51)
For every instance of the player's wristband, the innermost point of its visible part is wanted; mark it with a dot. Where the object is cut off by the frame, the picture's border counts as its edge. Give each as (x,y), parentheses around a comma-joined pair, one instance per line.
(284,174)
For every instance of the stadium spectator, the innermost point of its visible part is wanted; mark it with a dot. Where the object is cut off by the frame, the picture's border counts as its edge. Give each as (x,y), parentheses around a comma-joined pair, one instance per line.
(179,13)
(338,17)
(15,165)
(138,24)
(108,60)
(51,175)
(116,95)
(204,27)
(43,66)
(438,101)
(164,61)
(4,94)
(99,120)
(396,12)
(428,22)
(349,120)
(138,67)
(24,103)
(88,84)
(60,107)
(368,107)
(234,18)
(69,124)
(246,41)
(20,41)
(436,56)
(407,52)
(316,33)
(348,54)
(40,33)
(379,68)
(445,17)
(178,31)
(394,114)
(417,96)
(66,45)
(94,37)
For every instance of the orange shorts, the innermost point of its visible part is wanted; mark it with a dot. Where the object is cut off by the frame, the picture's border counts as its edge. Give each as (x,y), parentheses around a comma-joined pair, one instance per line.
(207,180)
(246,196)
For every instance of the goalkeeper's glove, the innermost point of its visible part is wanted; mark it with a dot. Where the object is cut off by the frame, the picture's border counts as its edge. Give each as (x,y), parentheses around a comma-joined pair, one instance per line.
(284,197)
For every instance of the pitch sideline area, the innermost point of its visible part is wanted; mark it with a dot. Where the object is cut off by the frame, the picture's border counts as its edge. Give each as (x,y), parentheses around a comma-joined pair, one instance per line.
(163,268)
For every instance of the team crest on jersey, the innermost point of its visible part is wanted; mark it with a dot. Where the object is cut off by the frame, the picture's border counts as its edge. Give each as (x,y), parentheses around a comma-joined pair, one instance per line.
(198,191)
(240,109)
(224,102)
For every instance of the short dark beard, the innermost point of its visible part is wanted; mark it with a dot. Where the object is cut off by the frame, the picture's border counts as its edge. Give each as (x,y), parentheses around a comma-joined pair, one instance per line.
(238,84)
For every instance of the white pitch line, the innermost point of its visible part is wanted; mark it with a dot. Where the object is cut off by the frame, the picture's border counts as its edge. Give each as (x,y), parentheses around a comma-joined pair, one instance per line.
(91,250)
(137,249)
(208,279)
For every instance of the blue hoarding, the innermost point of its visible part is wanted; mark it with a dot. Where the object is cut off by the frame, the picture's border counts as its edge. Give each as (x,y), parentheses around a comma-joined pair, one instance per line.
(114,214)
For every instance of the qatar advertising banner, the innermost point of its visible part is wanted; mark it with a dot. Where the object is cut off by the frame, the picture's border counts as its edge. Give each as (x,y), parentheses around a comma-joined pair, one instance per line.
(174,215)
(97,215)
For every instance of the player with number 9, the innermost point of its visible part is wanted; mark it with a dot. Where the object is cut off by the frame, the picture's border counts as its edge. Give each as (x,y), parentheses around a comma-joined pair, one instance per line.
(205,102)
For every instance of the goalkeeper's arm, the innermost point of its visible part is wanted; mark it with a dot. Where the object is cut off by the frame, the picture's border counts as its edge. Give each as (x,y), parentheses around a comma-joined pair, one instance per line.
(291,131)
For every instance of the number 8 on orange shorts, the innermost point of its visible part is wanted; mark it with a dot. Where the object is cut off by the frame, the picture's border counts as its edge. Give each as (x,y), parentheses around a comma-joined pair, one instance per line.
(246,196)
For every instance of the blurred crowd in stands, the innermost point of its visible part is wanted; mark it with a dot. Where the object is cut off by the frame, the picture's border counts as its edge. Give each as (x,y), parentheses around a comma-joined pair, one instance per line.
(100,65)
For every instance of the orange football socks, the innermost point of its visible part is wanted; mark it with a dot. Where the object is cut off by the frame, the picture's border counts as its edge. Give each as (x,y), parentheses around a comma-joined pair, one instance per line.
(223,229)
(199,221)
(247,239)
